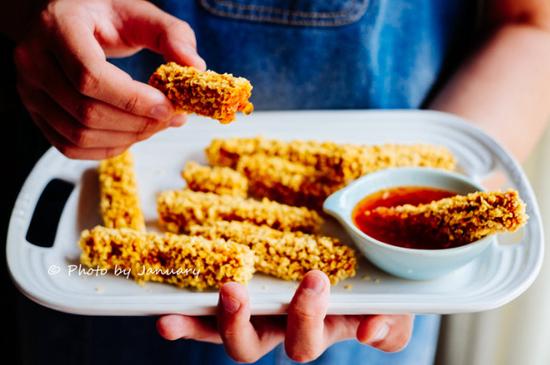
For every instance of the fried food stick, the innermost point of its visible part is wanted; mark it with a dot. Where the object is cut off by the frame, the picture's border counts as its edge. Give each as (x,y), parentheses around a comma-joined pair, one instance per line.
(286,255)
(459,219)
(340,163)
(207,93)
(180,209)
(119,200)
(183,261)
(218,180)
(288,182)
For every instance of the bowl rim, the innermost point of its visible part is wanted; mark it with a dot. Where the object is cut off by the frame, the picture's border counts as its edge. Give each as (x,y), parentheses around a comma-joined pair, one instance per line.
(347,219)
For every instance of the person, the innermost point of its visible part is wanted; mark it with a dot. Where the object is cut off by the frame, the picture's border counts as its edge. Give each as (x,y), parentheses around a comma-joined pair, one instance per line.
(83,90)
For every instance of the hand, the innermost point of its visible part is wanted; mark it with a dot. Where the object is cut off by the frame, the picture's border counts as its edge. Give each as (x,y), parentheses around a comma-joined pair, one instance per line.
(85,106)
(307,331)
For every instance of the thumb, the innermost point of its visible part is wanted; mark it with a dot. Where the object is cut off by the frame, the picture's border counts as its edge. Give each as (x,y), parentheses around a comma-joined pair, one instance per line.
(305,336)
(145,25)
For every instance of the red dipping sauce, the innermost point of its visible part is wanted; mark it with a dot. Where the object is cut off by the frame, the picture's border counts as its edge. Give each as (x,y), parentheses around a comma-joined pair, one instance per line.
(387,232)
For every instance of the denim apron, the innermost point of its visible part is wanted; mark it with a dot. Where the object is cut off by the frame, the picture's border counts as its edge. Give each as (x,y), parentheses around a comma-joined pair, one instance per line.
(298,54)
(324,54)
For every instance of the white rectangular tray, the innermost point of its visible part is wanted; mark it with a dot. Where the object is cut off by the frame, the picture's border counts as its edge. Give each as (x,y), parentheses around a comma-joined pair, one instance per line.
(501,274)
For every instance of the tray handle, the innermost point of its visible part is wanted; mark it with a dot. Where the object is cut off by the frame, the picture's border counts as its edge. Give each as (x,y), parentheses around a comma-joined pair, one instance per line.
(47,212)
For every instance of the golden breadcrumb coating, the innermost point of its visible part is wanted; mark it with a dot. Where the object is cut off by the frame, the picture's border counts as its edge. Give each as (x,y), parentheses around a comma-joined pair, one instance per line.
(288,182)
(218,96)
(119,200)
(219,180)
(337,162)
(389,155)
(286,255)
(185,261)
(460,219)
(179,209)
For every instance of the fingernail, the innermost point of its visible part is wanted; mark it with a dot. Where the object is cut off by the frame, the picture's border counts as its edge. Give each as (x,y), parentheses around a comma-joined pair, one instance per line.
(380,333)
(200,63)
(160,112)
(230,304)
(178,121)
(197,60)
(313,283)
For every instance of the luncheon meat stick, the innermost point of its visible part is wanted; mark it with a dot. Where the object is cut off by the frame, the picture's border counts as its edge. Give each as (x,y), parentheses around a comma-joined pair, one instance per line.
(219,180)
(207,93)
(286,255)
(338,162)
(288,182)
(180,209)
(460,219)
(119,200)
(184,261)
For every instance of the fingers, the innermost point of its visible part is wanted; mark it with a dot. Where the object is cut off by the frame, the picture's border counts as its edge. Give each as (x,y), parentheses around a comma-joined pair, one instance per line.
(388,333)
(73,131)
(175,326)
(70,150)
(67,135)
(305,335)
(91,113)
(242,342)
(83,61)
(341,327)
(145,25)
(91,104)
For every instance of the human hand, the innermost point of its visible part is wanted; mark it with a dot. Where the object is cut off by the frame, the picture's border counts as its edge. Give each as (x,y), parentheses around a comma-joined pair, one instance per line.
(306,331)
(87,107)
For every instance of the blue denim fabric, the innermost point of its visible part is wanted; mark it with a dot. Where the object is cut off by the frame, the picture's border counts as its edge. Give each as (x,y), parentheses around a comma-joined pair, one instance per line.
(331,54)
(321,54)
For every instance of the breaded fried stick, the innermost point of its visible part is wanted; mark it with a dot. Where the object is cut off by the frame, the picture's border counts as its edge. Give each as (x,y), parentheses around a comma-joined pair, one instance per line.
(286,255)
(288,182)
(180,209)
(219,180)
(459,219)
(207,93)
(119,200)
(184,261)
(339,163)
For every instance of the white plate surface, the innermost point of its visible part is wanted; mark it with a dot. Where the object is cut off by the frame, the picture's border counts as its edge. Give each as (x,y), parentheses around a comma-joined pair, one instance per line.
(501,274)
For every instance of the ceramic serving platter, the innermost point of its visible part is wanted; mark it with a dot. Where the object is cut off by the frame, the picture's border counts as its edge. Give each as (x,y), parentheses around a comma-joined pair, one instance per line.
(50,275)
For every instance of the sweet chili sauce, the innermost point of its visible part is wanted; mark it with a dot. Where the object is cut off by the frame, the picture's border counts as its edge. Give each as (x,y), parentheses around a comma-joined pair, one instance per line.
(385,231)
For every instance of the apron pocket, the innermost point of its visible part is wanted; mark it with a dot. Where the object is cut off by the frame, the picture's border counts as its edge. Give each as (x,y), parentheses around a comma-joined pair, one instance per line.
(313,13)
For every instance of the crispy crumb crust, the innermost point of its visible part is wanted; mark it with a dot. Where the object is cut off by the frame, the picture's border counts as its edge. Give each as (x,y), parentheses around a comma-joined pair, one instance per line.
(462,218)
(179,209)
(288,182)
(286,255)
(339,163)
(157,257)
(218,180)
(207,93)
(119,200)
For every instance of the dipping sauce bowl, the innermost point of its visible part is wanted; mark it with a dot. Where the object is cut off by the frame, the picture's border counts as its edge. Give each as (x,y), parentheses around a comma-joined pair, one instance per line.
(409,263)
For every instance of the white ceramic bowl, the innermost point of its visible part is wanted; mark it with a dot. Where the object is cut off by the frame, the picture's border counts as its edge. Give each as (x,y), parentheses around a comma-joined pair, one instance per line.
(415,264)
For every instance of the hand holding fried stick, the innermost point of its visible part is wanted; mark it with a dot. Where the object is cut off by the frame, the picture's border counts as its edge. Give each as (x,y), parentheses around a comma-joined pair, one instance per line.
(219,180)
(286,255)
(179,209)
(119,200)
(179,260)
(457,220)
(219,96)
